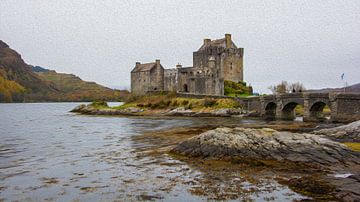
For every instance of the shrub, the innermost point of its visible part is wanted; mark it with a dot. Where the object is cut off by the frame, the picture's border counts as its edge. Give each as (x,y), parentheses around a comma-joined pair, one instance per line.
(236,89)
(175,103)
(132,97)
(209,102)
(162,104)
(99,104)
(154,106)
(185,102)
(167,103)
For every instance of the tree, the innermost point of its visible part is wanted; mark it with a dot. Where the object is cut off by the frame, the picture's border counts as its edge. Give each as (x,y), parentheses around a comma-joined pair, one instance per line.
(297,87)
(285,87)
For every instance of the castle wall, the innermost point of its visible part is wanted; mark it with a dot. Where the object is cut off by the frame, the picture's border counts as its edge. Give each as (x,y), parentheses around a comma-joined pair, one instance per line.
(232,65)
(170,78)
(202,81)
(140,81)
(156,79)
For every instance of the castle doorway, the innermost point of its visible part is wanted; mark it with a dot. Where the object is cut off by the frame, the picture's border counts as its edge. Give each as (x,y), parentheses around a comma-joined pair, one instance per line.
(185,88)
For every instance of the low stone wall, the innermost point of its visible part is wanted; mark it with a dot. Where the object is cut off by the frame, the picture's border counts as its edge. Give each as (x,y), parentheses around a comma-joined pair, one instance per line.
(197,96)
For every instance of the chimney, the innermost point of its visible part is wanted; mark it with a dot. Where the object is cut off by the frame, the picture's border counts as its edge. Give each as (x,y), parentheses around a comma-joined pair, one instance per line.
(137,64)
(207,41)
(178,66)
(157,61)
(228,40)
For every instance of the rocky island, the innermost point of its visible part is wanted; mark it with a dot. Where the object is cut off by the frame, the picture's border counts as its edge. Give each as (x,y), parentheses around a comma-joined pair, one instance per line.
(325,169)
(168,105)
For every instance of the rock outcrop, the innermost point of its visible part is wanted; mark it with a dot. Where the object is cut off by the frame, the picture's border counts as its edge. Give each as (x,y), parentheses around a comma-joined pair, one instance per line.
(90,110)
(267,144)
(349,132)
(180,111)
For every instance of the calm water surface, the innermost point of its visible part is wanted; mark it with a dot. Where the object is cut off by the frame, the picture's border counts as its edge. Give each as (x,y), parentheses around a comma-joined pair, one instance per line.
(47,153)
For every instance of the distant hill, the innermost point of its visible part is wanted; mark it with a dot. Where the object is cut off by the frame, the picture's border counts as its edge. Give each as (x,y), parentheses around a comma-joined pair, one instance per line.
(350,89)
(77,89)
(38,69)
(20,82)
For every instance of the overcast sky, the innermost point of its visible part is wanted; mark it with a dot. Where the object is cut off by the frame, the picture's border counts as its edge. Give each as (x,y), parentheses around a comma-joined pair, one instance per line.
(313,42)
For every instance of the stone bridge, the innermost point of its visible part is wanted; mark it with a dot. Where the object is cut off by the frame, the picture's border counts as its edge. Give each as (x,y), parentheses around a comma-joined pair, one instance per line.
(344,107)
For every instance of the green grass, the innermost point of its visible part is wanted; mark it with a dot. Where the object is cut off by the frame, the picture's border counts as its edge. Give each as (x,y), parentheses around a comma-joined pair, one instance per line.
(171,102)
(234,89)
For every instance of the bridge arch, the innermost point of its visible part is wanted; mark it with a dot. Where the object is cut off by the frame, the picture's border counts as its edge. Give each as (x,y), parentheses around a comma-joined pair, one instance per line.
(316,111)
(270,111)
(288,110)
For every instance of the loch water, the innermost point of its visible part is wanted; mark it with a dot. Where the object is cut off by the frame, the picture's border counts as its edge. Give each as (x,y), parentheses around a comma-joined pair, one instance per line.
(48,153)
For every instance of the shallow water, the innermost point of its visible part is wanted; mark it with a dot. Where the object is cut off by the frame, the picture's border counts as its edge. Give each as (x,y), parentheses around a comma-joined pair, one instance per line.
(47,153)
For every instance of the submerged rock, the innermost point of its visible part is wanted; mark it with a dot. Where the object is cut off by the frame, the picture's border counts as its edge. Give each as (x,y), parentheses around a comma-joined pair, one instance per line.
(349,132)
(78,108)
(180,111)
(267,144)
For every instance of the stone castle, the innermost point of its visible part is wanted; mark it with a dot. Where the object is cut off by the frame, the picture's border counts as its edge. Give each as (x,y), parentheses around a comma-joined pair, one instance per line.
(213,63)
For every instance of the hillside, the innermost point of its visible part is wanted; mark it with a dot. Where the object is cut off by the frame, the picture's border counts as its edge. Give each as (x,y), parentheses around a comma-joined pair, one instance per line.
(20,82)
(349,89)
(14,69)
(76,89)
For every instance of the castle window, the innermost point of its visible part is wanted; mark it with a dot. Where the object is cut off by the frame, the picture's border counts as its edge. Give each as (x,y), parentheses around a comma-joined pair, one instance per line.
(231,65)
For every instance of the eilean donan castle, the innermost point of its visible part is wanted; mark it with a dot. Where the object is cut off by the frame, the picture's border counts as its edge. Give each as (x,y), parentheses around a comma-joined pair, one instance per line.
(213,63)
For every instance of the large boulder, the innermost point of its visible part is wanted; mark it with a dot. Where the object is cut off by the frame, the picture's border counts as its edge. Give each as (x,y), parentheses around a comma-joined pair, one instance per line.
(349,132)
(265,144)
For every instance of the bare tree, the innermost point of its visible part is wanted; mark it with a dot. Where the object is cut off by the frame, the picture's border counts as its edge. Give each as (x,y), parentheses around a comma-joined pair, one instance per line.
(273,89)
(297,87)
(285,87)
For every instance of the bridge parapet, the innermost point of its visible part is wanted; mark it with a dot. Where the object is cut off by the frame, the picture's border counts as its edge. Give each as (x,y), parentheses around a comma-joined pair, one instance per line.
(345,107)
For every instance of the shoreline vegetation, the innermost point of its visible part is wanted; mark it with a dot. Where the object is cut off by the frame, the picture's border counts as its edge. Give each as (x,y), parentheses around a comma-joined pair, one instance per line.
(167,105)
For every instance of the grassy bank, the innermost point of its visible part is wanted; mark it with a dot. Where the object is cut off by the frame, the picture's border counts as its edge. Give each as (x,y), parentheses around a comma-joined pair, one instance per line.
(171,101)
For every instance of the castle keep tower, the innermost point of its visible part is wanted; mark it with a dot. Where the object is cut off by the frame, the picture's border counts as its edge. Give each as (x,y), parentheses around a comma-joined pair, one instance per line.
(228,57)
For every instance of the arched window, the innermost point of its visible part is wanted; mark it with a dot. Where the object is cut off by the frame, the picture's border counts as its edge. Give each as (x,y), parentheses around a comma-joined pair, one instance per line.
(185,88)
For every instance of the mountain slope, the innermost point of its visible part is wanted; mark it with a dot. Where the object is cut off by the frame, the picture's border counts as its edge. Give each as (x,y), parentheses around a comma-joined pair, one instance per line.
(75,89)
(13,68)
(20,82)
(349,89)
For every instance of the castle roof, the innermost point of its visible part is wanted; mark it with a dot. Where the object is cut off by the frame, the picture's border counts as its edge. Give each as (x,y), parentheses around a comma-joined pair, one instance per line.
(144,67)
(217,43)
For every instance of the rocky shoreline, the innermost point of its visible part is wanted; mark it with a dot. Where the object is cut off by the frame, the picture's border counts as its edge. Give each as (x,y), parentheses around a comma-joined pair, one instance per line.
(179,111)
(345,133)
(328,168)
(267,144)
